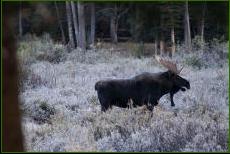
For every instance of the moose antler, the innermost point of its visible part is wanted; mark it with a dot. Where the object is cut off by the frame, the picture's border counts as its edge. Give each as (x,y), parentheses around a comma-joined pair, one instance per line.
(169,65)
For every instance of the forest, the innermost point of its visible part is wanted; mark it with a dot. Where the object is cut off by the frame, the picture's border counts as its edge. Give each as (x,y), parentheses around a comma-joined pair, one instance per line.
(65,47)
(163,24)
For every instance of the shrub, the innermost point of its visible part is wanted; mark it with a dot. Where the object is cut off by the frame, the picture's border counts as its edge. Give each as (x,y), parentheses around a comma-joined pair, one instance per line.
(35,80)
(42,49)
(24,75)
(139,51)
(93,100)
(43,112)
(79,125)
(186,131)
(194,61)
(212,54)
(197,44)
(55,55)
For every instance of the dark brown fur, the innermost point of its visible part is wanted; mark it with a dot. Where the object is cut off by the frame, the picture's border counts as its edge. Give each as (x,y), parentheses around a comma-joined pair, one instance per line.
(144,89)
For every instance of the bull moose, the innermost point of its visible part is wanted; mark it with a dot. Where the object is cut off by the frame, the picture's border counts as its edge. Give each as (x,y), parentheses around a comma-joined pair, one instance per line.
(144,89)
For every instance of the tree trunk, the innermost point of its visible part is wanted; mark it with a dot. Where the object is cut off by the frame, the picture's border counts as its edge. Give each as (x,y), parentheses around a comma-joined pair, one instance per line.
(161,47)
(70,28)
(75,23)
(113,32)
(202,30)
(202,34)
(162,44)
(161,34)
(138,26)
(156,45)
(12,135)
(60,23)
(113,25)
(202,27)
(20,21)
(81,21)
(173,41)
(92,24)
(187,33)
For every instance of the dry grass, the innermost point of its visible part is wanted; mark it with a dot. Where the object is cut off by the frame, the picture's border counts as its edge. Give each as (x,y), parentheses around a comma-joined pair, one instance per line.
(199,122)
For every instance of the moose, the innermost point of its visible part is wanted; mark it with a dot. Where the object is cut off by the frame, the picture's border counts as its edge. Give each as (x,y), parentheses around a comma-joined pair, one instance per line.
(143,89)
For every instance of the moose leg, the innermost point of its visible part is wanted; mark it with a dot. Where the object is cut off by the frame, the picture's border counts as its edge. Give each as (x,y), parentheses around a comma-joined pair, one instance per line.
(171,97)
(105,104)
(150,104)
(104,108)
(150,107)
(155,102)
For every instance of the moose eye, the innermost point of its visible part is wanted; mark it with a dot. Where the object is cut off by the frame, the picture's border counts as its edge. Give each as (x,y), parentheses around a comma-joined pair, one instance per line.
(173,75)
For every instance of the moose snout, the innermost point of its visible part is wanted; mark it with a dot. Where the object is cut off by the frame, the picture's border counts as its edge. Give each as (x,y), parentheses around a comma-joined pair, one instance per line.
(188,85)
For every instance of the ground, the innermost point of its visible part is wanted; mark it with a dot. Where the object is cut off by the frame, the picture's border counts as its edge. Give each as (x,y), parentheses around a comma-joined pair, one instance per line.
(61,111)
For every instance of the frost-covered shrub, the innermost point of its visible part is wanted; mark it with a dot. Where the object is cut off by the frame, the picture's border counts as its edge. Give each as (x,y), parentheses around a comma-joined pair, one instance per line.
(216,51)
(30,78)
(40,112)
(44,113)
(25,54)
(68,117)
(72,107)
(194,61)
(93,100)
(42,74)
(34,79)
(212,54)
(139,51)
(42,49)
(197,43)
(54,55)
(24,74)
(165,131)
